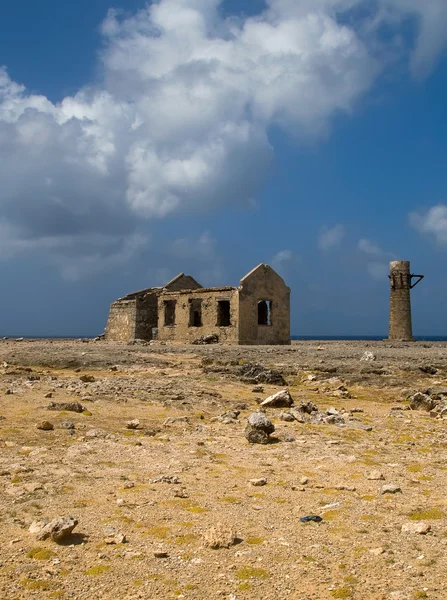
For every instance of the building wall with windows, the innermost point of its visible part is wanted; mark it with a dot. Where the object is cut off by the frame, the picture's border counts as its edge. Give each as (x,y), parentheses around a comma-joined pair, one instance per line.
(264,308)
(256,312)
(190,314)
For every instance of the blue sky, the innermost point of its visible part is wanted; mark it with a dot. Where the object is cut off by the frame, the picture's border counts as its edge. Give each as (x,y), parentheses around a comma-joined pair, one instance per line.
(140,140)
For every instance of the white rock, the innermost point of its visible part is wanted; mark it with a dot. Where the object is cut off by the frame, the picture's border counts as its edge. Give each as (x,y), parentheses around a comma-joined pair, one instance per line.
(416,527)
(280,399)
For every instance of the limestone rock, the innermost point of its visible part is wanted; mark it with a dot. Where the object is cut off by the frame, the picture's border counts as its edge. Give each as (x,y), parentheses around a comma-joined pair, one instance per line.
(45,426)
(258,420)
(374,475)
(281,399)
(134,424)
(258,482)
(389,488)
(256,436)
(416,527)
(286,416)
(368,357)
(66,406)
(420,401)
(220,536)
(57,529)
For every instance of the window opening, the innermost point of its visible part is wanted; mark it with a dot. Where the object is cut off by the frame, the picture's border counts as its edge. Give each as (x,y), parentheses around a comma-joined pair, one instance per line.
(195,313)
(169,313)
(265,312)
(223,313)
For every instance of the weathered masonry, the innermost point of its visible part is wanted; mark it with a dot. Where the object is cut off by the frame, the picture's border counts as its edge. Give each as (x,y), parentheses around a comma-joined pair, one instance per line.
(256,312)
(401,283)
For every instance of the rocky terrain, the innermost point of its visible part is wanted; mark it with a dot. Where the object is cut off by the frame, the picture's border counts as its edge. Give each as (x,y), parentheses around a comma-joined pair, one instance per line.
(133,471)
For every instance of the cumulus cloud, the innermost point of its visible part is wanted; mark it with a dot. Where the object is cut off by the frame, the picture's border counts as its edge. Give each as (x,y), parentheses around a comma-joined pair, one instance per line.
(432,223)
(378,265)
(331,238)
(179,121)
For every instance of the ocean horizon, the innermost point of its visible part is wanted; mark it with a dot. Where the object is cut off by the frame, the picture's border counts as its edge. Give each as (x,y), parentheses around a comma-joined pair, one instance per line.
(301,338)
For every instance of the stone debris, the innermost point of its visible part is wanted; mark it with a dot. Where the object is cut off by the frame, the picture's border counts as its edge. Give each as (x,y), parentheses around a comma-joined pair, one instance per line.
(134,424)
(390,488)
(206,339)
(45,426)
(368,357)
(374,475)
(286,416)
(118,538)
(57,530)
(258,389)
(258,482)
(281,399)
(220,536)
(66,406)
(166,479)
(227,418)
(420,401)
(254,373)
(160,554)
(49,395)
(416,527)
(87,378)
(259,428)
(67,425)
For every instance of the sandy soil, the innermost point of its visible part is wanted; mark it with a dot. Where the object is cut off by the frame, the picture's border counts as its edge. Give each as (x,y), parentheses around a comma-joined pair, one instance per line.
(105,475)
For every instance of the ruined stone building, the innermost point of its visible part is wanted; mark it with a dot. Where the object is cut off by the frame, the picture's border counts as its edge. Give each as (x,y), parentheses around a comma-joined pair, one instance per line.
(256,312)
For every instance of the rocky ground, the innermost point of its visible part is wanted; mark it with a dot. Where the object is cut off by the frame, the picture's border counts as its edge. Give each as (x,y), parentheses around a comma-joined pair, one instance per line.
(157,471)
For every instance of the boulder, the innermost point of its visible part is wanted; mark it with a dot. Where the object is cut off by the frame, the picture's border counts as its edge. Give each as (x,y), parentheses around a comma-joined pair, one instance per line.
(281,399)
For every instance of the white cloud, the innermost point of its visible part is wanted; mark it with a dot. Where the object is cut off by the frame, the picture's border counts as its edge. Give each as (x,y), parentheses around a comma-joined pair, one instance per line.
(180,120)
(433,223)
(331,238)
(378,267)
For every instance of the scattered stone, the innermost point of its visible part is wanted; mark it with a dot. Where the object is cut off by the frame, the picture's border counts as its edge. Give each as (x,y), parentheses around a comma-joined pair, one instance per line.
(87,378)
(227,418)
(118,538)
(252,373)
(166,479)
(368,357)
(377,551)
(416,527)
(8,392)
(152,431)
(181,493)
(67,406)
(304,480)
(258,389)
(286,416)
(220,536)
(374,475)
(389,488)
(259,428)
(356,426)
(161,554)
(258,482)
(49,395)
(67,425)
(206,339)
(57,529)
(420,401)
(45,426)
(429,369)
(134,424)
(281,399)
(169,421)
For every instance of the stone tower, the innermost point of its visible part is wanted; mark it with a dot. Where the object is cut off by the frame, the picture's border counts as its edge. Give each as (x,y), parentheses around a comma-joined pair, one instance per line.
(400,302)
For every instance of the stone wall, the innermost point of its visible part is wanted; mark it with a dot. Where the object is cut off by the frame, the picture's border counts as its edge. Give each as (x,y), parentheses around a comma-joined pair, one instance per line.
(263,284)
(186,327)
(182,282)
(121,323)
(146,316)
